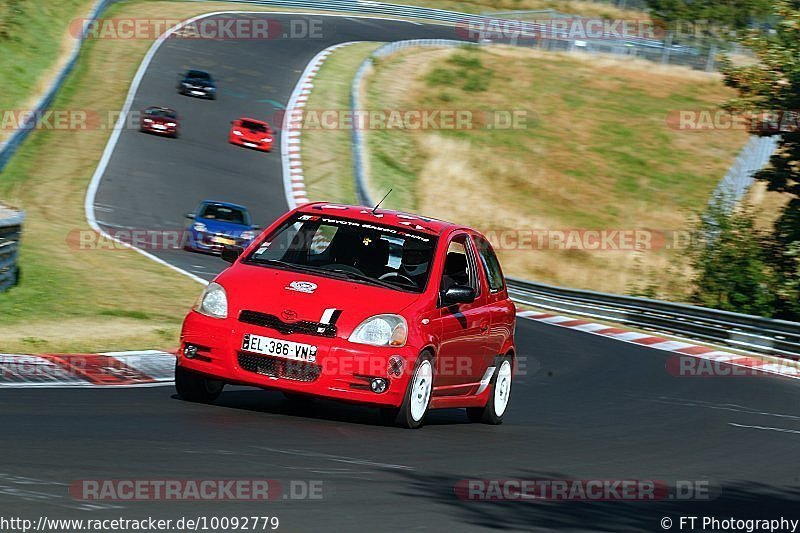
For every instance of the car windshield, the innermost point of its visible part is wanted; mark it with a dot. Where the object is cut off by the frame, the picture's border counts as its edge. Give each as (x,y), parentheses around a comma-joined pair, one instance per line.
(224,213)
(391,257)
(198,75)
(155,112)
(254,126)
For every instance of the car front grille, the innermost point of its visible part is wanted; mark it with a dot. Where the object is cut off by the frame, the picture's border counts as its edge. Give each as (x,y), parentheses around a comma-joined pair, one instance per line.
(287,328)
(279,368)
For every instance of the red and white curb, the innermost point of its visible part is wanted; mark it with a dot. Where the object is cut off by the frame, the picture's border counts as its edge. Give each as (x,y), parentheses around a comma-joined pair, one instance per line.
(115,369)
(293,179)
(753,364)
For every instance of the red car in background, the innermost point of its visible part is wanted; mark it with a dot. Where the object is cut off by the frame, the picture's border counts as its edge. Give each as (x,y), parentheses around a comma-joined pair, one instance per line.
(381,308)
(161,120)
(251,133)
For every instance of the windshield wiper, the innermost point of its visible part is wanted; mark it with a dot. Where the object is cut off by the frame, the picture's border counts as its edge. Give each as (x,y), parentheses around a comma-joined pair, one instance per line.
(285,265)
(364,277)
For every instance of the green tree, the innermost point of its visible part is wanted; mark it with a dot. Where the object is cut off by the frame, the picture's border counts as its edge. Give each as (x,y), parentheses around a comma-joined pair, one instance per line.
(772,84)
(728,255)
(731,15)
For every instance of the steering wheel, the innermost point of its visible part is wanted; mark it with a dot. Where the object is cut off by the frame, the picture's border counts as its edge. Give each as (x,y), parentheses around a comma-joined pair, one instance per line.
(402,277)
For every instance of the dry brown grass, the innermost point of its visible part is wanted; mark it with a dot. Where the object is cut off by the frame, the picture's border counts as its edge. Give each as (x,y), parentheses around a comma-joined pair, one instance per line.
(599,154)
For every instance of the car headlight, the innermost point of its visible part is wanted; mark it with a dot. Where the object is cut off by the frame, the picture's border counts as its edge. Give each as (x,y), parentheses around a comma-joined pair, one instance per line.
(199,227)
(237,132)
(248,235)
(213,301)
(381,330)
(210,89)
(171,124)
(148,120)
(266,139)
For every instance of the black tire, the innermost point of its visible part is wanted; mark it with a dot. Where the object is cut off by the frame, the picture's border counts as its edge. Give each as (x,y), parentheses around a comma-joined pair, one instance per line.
(403,416)
(194,387)
(488,414)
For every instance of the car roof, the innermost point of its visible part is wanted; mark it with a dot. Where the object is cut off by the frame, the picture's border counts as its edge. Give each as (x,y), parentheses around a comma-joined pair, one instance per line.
(385,217)
(223,204)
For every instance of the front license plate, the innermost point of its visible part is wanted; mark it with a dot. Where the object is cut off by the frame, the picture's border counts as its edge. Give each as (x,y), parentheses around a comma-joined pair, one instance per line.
(197,93)
(250,145)
(279,348)
(222,240)
(159,127)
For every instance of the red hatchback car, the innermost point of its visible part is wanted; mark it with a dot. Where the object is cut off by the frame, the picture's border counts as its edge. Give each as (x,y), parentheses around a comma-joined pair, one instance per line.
(161,120)
(251,133)
(382,308)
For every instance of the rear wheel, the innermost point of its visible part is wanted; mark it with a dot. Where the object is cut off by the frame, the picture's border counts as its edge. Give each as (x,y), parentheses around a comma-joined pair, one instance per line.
(194,387)
(495,408)
(411,413)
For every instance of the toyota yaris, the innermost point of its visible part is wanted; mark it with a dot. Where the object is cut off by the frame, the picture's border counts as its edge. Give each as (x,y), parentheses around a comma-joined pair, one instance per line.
(381,308)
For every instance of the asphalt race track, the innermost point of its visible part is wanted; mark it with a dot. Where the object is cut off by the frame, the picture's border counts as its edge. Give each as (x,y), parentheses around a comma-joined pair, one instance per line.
(584,407)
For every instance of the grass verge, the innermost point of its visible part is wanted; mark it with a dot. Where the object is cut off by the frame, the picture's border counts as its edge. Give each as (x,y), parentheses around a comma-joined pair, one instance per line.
(595,152)
(81,300)
(327,158)
(35,41)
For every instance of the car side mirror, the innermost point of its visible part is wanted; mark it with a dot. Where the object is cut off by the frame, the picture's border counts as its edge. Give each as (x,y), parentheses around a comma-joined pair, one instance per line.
(256,227)
(189,215)
(458,294)
(231,253)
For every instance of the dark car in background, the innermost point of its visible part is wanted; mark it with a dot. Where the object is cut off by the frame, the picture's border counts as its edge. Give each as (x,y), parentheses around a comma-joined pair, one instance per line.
(197,83)
(217,225)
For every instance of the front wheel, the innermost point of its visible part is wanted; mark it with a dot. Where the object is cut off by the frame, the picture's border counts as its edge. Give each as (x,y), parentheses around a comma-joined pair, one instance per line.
(411,413)
(495,408)
(194,387)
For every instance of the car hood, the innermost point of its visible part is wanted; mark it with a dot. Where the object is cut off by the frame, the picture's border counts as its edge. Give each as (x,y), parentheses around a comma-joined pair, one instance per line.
(219,226)
(294,296)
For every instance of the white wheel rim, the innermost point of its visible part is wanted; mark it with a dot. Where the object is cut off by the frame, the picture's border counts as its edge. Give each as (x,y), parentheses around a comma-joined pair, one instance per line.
(502,388)
(421,390)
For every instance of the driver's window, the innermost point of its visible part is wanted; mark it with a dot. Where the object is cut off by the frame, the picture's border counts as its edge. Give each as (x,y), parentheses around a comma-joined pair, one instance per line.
(457,266)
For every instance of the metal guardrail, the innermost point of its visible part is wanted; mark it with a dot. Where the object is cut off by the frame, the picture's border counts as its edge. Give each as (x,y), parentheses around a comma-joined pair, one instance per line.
(745,332)
(10,233)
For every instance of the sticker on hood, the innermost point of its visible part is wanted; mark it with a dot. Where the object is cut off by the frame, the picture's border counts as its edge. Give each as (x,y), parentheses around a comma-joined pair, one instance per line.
(302,286)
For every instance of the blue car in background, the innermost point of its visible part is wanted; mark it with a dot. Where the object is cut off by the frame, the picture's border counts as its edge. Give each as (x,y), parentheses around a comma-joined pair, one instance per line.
(218,224)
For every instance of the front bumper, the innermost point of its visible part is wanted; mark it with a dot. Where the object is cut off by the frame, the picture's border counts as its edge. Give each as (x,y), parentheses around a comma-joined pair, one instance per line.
(342,370)
(200,92)
(166,130)
(248,143)
(212,242)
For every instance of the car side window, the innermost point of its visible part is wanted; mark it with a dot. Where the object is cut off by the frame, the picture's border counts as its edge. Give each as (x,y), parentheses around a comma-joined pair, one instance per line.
(490,263)
(459,266)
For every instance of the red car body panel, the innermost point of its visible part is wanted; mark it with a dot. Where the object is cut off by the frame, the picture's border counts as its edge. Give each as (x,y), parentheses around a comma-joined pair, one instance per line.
(464,340)
(258,140)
